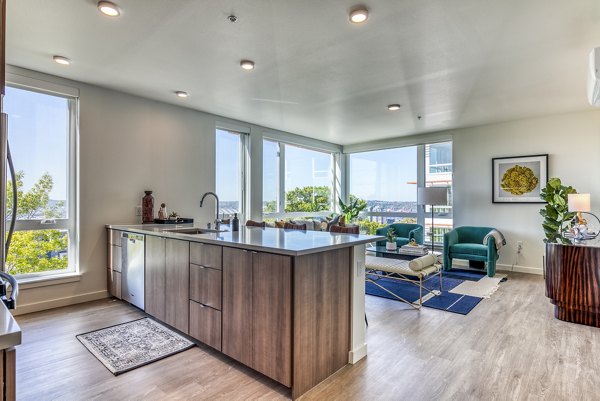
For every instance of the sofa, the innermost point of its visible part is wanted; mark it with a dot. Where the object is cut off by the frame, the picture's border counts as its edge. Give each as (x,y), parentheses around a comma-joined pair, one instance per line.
(404,233)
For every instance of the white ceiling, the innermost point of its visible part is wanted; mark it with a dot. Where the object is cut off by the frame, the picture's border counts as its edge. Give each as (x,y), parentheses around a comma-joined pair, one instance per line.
(456,63)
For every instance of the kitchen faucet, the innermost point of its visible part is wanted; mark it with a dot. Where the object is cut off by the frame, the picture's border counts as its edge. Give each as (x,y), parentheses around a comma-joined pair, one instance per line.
(217,220)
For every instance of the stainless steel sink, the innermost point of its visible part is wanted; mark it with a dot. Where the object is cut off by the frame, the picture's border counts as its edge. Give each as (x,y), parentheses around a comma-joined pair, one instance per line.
(192,231)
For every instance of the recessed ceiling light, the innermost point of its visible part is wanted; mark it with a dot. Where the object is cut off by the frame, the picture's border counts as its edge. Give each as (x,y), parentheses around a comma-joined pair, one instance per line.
(182,94)
(108,8)
(359,15)
(393,107)
(247,64)
(61,60)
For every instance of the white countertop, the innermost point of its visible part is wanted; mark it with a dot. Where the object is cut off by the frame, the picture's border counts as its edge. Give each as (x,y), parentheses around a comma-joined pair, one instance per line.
(10,332)
(274,240)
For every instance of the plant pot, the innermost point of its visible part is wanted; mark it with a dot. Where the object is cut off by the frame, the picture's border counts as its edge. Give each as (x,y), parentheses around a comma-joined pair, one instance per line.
(391,246)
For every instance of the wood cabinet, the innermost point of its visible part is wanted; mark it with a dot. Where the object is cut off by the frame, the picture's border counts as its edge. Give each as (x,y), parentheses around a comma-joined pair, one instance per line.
(114,263)
(257,311)
(167,281)
(205,293)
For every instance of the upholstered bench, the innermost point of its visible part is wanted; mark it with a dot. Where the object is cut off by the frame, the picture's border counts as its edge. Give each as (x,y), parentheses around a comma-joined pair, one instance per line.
(423,269)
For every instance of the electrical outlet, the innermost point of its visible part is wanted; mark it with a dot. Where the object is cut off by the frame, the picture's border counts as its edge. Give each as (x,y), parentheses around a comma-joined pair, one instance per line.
(519,246)
(138,211)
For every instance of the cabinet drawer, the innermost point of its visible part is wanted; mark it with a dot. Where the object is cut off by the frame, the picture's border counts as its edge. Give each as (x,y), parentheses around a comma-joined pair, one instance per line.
(206,255)
(114,257)
(114,237)
(205,324)
(205,286)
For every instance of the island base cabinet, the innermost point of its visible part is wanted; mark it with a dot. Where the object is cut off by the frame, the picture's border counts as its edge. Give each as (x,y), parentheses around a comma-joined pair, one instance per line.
(205,324)
(114,283)
(257,311)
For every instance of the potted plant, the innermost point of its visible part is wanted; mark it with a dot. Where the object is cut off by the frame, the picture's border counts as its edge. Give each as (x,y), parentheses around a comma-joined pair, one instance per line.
(557,217)
(390,237)
(351,210)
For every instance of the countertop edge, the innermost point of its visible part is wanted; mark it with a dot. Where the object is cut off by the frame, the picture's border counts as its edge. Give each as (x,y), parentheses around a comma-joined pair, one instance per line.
(208,240)
(10,336)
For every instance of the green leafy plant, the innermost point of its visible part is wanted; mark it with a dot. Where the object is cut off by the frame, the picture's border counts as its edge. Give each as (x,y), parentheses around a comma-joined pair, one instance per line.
(391,235)
(353,208)
(557,217)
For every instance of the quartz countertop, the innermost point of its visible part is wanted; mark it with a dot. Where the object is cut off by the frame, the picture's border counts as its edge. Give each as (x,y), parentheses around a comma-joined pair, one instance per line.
(10,332)
(274,240)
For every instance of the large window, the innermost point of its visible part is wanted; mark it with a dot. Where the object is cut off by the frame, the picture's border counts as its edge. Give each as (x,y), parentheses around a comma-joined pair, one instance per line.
(297,181)
(42,133)
(387,181)
(230,172)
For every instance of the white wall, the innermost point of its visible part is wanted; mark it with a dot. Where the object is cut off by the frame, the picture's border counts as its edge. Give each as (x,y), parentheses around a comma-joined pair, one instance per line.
(127,145)
(573,144)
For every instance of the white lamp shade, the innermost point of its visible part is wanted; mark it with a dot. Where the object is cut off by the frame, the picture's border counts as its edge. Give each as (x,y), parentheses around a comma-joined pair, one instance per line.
(432,196)
(579,202)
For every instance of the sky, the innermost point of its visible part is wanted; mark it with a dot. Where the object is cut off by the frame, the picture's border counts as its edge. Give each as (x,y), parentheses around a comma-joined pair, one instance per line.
(38,127)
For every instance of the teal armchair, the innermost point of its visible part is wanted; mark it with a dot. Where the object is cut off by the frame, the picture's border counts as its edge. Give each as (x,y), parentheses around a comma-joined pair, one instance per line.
(467,243)
(404,232)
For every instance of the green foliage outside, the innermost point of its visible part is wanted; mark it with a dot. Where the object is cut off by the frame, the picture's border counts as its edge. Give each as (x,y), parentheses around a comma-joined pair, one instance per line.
(308,199)
(35,251)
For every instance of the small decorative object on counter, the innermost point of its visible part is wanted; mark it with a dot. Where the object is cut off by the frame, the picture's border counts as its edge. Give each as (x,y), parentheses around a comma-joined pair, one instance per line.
(162,212)
(148,208)
(235,223)
(174,216)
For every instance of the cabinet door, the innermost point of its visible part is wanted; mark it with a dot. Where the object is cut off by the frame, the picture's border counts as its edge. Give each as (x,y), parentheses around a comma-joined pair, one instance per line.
(115,257)
(205,324)
(155,280)
(205,286)
(237,304)
(114,283)
(177,284)
(272,316)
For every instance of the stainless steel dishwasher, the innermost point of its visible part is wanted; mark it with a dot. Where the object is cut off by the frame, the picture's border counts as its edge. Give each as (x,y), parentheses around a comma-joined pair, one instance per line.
(132,269)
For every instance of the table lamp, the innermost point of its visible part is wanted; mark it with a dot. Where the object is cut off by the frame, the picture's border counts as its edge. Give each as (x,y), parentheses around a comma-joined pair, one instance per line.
(581,203)
(432,196)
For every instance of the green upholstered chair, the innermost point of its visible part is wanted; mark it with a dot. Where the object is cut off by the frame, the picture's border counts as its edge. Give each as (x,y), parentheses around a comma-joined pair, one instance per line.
(467,243)
(404,231)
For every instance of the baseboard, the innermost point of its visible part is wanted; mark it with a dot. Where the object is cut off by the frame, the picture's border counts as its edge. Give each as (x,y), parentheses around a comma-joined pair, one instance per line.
(357,354)
(59,302)
(505,268)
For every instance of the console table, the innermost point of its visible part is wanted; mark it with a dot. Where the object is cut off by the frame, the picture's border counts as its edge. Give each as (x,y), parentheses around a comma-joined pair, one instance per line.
(572,274)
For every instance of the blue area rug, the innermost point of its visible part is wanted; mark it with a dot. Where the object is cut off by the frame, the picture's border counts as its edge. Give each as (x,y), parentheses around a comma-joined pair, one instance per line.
(456,303)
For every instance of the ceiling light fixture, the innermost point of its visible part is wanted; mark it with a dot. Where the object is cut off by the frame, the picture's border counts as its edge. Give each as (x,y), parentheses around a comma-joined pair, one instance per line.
(247,64)
(393,107)
(108,8)
(61,60)
(359,15)
(182,94)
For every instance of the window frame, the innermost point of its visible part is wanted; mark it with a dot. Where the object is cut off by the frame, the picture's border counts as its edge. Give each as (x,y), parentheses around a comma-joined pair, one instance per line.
(71,222)
(244,163)
(335,180)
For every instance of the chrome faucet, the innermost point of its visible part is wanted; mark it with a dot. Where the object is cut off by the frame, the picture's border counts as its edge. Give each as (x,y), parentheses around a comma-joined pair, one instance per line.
(217,220)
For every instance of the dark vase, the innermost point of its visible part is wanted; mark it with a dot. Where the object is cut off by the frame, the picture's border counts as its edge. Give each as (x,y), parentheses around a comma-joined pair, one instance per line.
(148,208)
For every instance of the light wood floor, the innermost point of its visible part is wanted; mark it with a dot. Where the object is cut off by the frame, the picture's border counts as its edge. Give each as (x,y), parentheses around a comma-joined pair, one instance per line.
(509,348)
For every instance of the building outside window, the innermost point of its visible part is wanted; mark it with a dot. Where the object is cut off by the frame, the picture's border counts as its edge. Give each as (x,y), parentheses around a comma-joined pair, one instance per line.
(438,173)
(42,137)
(297,181)
(231,172)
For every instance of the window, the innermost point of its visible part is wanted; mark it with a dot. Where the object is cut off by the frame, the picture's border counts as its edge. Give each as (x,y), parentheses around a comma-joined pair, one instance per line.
(387,181)
(42,134)
(230,172)
(297,181)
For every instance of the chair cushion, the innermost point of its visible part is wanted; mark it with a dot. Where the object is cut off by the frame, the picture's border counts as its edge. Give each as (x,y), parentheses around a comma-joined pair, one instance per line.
(469,249)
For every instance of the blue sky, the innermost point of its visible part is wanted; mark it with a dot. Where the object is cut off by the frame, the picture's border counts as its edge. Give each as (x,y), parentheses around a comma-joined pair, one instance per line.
(38,136)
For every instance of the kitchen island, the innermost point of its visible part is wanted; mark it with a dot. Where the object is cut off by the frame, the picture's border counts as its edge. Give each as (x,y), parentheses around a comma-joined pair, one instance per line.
(287,303)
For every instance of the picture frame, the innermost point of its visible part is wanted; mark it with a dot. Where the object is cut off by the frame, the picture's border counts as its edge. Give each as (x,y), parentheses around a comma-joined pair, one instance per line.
(519,179)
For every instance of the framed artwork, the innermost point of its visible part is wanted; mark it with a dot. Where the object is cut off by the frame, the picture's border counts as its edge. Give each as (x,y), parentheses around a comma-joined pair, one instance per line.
(519,179)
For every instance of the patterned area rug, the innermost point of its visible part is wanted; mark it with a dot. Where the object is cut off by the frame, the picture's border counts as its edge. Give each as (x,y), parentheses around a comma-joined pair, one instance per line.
(130,345)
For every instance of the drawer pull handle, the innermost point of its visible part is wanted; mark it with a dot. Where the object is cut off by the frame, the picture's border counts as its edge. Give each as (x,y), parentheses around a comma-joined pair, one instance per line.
(254,252)
(202,306)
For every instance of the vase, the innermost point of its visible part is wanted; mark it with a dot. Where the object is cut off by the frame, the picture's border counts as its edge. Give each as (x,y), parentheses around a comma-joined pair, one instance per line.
(391,246)
(148,208)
